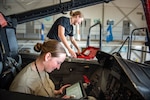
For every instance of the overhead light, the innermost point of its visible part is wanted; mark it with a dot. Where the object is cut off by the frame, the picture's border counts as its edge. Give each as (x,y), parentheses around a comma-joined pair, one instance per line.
(30,2)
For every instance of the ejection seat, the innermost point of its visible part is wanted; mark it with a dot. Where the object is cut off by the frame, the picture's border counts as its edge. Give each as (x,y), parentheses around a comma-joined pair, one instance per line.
(10,58)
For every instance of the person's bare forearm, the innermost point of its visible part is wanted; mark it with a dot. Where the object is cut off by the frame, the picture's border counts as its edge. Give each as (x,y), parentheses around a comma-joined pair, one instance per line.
(61,32)
(74,42)
(64,41)
(61,35)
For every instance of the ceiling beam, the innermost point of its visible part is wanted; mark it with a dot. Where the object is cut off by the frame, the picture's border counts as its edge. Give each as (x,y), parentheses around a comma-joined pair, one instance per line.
(54,9)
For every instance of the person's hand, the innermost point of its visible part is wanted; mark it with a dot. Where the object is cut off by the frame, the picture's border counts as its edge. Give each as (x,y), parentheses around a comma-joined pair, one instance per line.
(63,88)
(73,54)
(78,52)
(66,97)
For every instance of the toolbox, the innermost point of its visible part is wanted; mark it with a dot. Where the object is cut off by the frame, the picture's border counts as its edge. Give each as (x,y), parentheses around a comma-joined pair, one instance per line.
(88,53)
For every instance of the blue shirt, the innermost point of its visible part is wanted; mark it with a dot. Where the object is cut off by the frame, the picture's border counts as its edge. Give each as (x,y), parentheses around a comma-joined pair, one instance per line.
(63,21)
